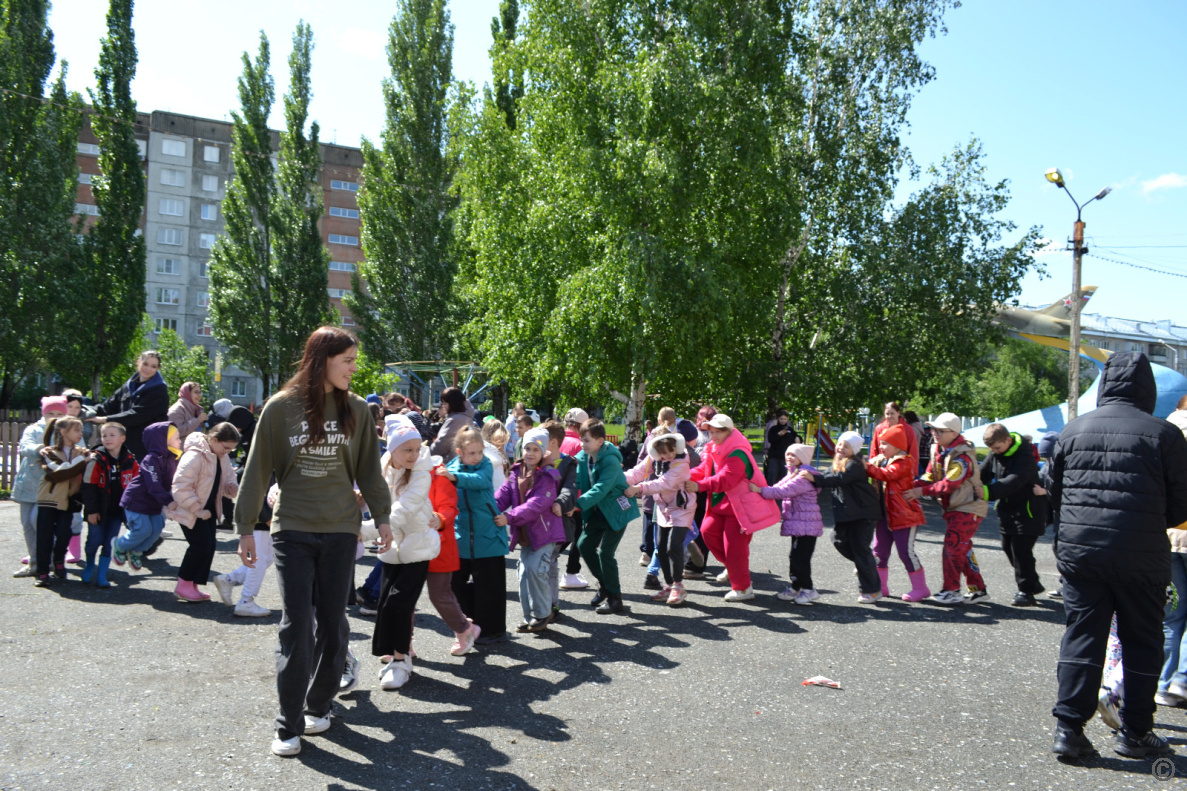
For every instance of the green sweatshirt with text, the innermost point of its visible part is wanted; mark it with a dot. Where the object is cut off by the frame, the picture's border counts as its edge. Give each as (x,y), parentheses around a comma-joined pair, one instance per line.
(316,482)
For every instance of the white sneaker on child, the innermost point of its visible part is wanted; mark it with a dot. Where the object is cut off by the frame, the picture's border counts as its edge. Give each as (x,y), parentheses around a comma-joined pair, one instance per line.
(736,595)
(286,748)
(396,674)
(316,725)
(248,608)
(225,588)
(806,596)
(573,582)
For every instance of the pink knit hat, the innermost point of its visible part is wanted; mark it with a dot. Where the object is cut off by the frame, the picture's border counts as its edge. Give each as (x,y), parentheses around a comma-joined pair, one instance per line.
(49,403)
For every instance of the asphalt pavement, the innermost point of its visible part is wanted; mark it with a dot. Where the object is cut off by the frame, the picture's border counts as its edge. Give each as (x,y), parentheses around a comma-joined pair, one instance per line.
(129,688)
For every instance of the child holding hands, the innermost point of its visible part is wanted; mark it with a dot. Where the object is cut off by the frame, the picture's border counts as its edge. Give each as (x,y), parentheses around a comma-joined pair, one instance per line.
(203,478)
(661,473)
(109,472)
(895,471)
(801,520)
(64,461)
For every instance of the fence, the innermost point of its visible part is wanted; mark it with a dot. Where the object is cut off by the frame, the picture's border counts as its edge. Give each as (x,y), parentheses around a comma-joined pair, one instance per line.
(21,415)
(10,440)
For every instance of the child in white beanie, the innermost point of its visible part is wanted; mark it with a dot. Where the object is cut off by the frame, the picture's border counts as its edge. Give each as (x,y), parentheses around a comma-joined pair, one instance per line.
(855,513)
(801,520)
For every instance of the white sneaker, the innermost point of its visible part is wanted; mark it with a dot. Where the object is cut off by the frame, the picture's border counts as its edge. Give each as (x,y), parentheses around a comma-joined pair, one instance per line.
(396,674)
(574,582)
(745,595)
(645,560)
(350,675)
(166,534)
(948,597)
(807,596)
(316,725)
(723,577)
(225,588)
(868,598)
(1165,698)
(286,748)
(24,571)
(249,609)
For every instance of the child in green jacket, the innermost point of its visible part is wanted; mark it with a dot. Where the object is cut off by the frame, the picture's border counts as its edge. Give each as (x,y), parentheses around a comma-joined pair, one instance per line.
(606,511)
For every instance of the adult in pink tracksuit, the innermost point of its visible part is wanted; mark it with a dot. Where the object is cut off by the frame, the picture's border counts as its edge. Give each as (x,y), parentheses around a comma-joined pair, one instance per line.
(667,457)
(735,513)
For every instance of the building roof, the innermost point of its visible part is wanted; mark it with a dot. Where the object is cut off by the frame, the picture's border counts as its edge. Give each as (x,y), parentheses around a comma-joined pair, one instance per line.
(1131,329)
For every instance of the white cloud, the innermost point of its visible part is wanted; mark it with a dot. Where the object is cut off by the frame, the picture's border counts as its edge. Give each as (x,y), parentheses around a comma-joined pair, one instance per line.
(1167,181)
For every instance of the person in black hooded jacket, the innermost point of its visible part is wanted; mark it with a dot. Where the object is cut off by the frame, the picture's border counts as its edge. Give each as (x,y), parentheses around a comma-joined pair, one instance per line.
(1117,479)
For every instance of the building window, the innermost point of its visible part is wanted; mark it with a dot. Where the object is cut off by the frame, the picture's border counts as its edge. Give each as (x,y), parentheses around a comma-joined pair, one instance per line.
(203,269)
(164,324)
(342,266)
(348,186)
(172,178)
(347,321)
(173,148)
(203,299)
(239,388)
(171,207)
(206,241)
(338,211)
(85,178)
(168,266)
(142,147)
(337,238)
(210,183)
(89,148)
(206,331)
(210,153)
(169,236)
(209,211)
(86,208)
(168,296)
(337,293)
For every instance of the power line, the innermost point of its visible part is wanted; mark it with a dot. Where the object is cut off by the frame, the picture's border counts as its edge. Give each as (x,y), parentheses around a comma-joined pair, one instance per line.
(1139,266)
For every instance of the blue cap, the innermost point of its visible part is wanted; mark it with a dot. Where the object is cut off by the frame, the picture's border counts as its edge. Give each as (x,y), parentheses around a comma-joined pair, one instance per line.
(374,399)
(1047,444)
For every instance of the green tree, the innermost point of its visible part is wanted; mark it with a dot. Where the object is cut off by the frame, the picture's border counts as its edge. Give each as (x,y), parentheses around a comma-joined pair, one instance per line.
(508,84)
(109,276)
(268,272)
(178,364)
(401,295)
(38,184)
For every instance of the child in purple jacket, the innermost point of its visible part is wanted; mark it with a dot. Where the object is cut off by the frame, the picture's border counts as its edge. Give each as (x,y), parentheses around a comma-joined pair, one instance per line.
(147,495)
(801,520)
(525,499)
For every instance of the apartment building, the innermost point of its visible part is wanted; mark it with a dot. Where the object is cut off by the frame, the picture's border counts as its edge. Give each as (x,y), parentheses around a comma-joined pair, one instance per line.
(188,162)
(1163,342)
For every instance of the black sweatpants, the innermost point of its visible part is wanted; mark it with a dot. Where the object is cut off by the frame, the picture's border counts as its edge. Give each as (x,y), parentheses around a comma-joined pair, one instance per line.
(1089,606)
(800,562)
(53,535)
(399,588)
(480,586)
(852,539)
(671,553)
(202,541)
(648,545)
(1020,551)
(573,566)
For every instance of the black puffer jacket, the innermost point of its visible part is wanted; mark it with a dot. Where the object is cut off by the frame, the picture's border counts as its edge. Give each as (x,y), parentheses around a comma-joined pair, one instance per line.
(854,496)
(136,409)
(1010,480)
(1118,478)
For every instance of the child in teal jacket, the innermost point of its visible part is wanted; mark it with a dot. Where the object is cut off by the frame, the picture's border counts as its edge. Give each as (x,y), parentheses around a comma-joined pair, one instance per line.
(606,511)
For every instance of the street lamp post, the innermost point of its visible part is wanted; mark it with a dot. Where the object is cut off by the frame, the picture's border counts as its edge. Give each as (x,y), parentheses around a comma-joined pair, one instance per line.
(1173,351)
(1078,250)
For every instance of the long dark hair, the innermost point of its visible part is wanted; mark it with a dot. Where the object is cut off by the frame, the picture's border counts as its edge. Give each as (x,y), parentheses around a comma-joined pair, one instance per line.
(309,382)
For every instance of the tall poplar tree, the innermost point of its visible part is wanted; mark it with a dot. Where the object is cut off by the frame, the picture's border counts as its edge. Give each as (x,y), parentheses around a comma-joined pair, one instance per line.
(268,272)
(38,184)
(109,277)
(402,292)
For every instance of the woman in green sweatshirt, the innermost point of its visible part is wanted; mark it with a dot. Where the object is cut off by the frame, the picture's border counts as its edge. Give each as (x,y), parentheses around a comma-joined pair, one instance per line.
(315,436)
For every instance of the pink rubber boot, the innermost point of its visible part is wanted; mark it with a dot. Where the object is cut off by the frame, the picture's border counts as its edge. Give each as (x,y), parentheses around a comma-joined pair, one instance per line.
(884,575)
(187,591)
(73,553)
(919,589)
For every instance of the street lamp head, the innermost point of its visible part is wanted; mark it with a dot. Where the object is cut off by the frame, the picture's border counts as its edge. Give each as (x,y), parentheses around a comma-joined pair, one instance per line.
(1055,177)
(1100,195)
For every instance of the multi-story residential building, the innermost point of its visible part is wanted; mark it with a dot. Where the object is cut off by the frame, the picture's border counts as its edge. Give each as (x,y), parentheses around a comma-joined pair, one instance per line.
(1163,342)
(188,161)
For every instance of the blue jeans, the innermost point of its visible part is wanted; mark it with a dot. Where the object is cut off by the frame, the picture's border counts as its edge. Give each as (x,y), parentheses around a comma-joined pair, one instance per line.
(143,531)
(1174,650)
(653,567)
(535,594)
(102,534)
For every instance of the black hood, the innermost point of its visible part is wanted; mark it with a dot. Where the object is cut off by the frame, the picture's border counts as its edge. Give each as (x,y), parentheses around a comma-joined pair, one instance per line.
(1128,379)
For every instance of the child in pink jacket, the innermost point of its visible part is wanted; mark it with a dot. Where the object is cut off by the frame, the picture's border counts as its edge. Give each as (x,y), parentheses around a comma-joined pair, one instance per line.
(675,508)
(204,477)
(801,520)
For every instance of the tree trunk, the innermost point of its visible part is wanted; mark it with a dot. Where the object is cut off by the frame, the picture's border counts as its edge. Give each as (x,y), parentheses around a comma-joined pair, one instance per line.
(96,387)
(634,407)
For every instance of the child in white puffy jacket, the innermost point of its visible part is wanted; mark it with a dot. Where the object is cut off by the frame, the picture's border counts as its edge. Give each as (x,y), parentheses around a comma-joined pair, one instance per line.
(675,509)
(408,468)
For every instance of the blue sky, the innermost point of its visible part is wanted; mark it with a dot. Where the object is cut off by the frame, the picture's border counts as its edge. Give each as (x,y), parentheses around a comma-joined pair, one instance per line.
(1092,87)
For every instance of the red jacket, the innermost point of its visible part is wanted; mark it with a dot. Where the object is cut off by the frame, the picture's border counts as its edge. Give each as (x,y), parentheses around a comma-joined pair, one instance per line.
(443,496)
(896,476)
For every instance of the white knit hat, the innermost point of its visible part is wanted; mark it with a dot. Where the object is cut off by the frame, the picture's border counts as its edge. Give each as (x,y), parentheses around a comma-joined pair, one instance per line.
(538,436)
(802,452)
(222,407)
(399,429)
(853,440)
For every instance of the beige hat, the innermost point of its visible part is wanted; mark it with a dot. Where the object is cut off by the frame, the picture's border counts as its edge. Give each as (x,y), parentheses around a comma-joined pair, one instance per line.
(947,421)
(721,420)
(802,452)
(576,415)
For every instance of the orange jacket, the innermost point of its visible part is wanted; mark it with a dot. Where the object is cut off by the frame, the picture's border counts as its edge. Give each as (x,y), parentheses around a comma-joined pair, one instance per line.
(443,496)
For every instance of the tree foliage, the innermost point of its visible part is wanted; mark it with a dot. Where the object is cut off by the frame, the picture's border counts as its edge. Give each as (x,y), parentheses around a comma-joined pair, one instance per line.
(401,295)
(268,273)
(178,363)
(109,276)
(38,184)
